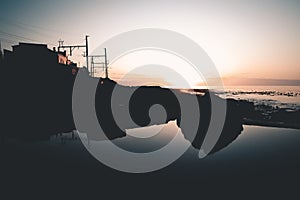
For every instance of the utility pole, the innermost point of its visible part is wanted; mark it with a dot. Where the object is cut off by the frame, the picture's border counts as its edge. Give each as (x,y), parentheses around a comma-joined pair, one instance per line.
(87,51)
(92,67)
(103,65)
(106,71)
(72,47)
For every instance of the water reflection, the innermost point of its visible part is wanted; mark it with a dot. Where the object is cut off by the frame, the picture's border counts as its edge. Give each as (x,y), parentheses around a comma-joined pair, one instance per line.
(149,139)
(260,158)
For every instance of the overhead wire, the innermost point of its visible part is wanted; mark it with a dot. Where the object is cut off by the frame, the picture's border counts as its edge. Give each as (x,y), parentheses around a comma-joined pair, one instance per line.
(32,29)
(19,23)
(22,37)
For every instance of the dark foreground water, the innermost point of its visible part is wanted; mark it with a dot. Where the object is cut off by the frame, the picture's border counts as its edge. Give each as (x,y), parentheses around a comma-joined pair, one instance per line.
(262,162)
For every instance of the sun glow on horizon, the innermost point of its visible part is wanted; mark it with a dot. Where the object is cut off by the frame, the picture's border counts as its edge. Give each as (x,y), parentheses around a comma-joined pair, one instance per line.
(154,67)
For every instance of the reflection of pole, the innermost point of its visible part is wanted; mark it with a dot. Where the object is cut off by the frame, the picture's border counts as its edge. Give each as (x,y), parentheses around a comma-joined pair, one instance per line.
(106,71)
(87,51)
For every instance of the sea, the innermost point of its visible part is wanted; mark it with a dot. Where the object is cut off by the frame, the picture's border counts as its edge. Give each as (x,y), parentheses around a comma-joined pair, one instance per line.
(287,97)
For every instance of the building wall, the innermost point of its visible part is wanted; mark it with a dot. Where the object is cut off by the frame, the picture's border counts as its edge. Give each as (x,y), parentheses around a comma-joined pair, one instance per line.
(62,59)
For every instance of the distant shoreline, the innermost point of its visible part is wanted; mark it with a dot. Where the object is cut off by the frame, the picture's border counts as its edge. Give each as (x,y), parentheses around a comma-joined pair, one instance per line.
(269,124)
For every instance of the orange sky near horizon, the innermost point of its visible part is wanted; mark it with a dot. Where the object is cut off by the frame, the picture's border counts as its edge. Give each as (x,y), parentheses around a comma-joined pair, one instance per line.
(245,39)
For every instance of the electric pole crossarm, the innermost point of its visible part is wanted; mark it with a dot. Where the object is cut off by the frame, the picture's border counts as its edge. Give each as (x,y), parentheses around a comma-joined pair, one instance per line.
(72,47)
(97,56)
(99,63)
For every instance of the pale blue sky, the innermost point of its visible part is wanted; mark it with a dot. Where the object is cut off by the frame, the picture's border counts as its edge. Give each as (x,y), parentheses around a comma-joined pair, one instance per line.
(258,39)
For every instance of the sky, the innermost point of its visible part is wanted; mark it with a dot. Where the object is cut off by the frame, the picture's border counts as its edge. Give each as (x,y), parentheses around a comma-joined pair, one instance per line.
(256,39)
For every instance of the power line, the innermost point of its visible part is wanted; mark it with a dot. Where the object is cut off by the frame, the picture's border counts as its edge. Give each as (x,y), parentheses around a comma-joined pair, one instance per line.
(19,24)
(27,29)
(22,37)
(18,36)
(8,41)
(32,30)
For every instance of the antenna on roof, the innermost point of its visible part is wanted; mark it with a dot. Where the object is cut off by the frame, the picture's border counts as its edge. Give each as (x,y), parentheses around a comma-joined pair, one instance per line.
(60,43)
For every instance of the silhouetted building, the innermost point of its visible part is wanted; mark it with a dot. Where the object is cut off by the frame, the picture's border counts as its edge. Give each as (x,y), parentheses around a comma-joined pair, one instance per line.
(37,82)
(37,53)
(1,55)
